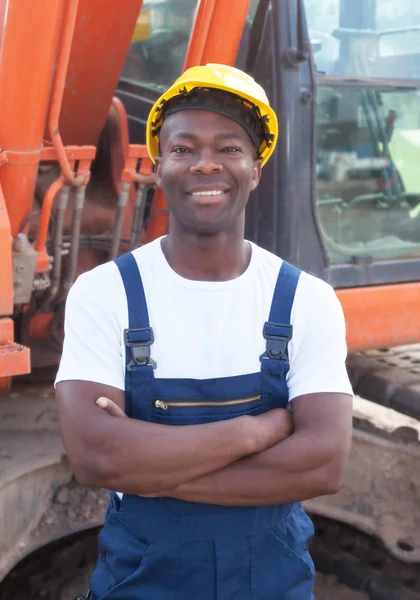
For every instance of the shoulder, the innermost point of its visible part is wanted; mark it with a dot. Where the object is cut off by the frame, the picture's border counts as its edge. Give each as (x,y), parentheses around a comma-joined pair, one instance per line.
(101,278)
(265,261)
(106,277)
(309,286)
(148,255)
(314,292)
(316,306)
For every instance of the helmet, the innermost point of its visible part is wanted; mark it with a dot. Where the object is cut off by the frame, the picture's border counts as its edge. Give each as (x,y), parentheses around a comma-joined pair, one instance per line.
(219,77)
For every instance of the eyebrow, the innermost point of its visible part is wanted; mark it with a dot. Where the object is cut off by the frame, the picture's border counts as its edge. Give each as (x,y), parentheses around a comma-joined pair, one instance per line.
(220,136)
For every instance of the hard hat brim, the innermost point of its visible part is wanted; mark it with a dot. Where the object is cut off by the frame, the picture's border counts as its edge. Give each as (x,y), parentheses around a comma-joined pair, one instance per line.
(181,87)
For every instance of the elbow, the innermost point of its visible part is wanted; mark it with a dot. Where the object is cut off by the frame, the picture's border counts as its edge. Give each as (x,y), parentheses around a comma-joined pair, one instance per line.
(331,474)
(90,470)
(99,470)
(331,479)
(334,483)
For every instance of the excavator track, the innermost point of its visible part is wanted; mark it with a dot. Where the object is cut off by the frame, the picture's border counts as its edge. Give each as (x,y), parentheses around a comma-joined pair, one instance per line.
(389,376)
(361,563)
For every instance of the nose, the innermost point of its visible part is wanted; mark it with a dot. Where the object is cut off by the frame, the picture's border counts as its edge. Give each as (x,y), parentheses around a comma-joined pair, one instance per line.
(206,164)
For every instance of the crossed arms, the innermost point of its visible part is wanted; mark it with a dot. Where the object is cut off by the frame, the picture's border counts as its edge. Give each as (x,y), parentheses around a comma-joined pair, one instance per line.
(246,461)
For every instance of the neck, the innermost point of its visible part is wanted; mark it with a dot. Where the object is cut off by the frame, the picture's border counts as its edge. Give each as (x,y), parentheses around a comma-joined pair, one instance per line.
(219,257)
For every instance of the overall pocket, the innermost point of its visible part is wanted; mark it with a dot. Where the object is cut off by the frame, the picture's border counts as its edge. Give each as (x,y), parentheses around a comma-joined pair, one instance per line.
(120,556)
(282,566)
(204,410)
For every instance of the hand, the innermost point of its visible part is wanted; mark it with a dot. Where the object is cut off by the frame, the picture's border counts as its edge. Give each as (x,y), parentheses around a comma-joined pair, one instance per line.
(110,407)
(270,428)
(114,410)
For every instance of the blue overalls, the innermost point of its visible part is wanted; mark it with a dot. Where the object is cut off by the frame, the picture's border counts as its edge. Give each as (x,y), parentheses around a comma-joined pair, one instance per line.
(168,549)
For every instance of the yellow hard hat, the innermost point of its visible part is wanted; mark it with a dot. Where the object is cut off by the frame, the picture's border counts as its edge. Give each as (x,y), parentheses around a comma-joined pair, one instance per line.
(224,78)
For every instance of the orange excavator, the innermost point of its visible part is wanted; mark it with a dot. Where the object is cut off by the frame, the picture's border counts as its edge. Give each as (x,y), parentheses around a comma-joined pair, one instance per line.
(340,199)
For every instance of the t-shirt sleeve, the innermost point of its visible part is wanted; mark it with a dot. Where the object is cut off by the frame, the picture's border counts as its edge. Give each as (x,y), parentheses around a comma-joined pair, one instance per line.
(318,349)
(92,341)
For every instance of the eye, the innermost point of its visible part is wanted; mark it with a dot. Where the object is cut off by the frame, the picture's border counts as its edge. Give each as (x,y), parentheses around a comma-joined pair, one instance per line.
(180,150)
(232,149)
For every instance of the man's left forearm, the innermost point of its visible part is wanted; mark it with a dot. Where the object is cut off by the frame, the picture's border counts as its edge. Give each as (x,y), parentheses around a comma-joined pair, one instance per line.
(298,468)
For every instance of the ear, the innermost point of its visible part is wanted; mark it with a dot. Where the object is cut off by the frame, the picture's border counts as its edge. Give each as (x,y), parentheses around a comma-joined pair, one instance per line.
(158,171)
(256,174)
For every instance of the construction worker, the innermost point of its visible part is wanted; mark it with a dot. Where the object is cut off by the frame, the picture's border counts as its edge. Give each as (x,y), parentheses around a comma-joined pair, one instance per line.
(228,362)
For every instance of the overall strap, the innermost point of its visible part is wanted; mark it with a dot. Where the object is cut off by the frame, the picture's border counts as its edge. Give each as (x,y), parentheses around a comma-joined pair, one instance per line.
(138,337)
(277,330)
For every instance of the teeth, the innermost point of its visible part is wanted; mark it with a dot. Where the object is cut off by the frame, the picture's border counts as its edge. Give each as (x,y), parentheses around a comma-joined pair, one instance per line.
(209,193)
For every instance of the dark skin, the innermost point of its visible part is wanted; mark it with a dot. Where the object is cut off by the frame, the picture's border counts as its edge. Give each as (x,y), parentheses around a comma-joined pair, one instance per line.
(206,240)
(245,461)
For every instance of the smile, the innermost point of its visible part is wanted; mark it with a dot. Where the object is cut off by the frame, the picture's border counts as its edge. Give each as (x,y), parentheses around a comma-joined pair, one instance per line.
(209,193)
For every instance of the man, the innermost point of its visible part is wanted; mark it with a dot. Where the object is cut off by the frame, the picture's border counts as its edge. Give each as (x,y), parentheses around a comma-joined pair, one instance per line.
(229,363)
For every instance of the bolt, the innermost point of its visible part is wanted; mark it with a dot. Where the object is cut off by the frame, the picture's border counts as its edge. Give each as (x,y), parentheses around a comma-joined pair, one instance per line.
(306,97)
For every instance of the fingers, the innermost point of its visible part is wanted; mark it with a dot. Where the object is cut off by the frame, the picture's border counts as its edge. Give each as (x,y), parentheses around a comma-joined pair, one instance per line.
(110,407)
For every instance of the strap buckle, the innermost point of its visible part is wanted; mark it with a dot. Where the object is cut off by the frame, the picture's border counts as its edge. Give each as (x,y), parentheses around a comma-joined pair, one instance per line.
(277,336)
(139,342)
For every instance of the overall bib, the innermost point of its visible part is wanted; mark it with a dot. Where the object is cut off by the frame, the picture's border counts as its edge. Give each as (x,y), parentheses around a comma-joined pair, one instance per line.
(168,549)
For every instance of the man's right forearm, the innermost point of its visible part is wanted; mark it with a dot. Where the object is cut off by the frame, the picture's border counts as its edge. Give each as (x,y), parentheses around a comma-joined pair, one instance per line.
(138,457)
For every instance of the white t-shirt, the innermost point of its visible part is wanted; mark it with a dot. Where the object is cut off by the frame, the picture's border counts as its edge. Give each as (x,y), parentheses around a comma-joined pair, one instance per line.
(202,329)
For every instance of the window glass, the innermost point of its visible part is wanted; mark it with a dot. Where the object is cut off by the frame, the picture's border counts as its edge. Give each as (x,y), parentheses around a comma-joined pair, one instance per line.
(160,42)
(366,38)
(368,184)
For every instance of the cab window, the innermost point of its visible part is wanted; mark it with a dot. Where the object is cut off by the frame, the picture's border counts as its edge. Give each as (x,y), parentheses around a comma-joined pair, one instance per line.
(365,39)
(160,42)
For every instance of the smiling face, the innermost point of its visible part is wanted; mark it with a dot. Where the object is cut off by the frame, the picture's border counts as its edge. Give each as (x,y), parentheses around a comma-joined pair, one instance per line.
(207,169)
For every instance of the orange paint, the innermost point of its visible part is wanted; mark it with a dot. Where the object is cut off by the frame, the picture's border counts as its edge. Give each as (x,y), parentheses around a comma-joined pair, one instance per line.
(102,37)
(40,324)
(14,360)
(6,330)
(28,52)
(381,316)
(158,224)
(200,33)
(225,33)
(57,97)
(41,240)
